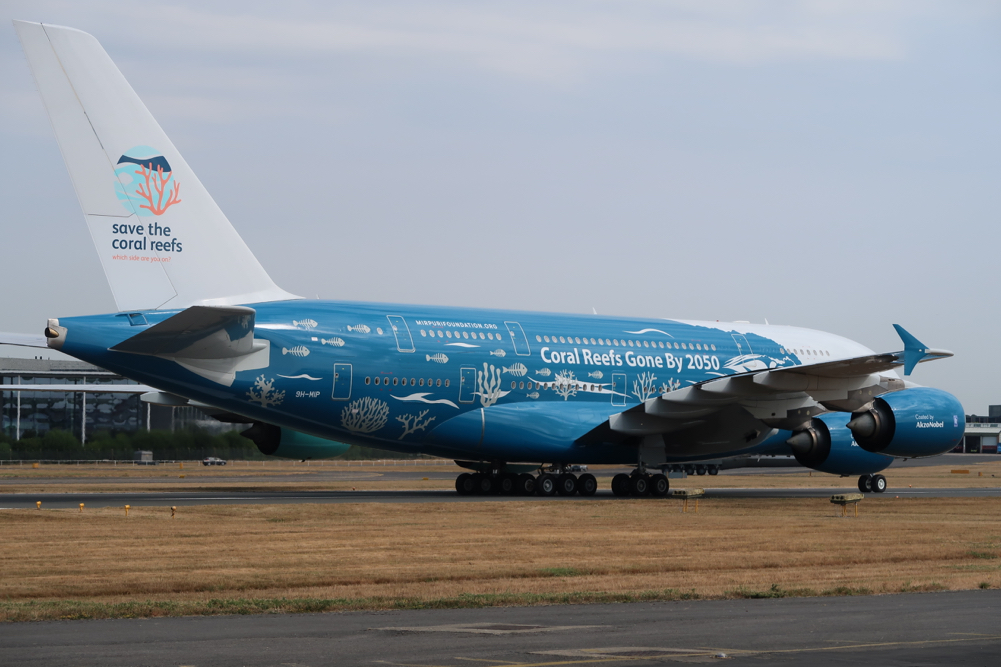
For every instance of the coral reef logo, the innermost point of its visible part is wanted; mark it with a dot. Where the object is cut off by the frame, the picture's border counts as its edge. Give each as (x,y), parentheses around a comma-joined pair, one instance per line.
(145,182)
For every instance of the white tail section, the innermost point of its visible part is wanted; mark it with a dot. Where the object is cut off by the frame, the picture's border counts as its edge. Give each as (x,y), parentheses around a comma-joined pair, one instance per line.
(162,240)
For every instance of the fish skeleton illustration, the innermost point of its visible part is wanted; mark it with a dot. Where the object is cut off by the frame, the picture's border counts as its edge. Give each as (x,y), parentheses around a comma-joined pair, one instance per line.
(335,341)
(499,353)
(437,358)
(534,394)
(361,328)
(545,372)
(305,324)
(517,370)
(597,375)
(297,351)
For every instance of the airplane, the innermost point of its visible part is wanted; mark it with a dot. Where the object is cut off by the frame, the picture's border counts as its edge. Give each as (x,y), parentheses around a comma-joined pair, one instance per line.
(509,395)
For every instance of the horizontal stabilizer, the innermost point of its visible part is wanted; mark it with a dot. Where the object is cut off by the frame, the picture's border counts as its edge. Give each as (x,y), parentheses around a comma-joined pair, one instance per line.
(23,340)
(212,341)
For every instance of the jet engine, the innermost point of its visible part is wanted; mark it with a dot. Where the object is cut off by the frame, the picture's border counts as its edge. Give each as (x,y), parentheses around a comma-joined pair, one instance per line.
(288,444)
(911,423)
(827,445)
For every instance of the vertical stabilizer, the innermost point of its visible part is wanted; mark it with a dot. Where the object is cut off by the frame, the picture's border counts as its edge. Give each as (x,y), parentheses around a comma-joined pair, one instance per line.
(162,240)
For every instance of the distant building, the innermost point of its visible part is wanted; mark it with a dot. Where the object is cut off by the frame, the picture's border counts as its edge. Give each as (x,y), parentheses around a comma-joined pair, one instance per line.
(982,432)
(25,411)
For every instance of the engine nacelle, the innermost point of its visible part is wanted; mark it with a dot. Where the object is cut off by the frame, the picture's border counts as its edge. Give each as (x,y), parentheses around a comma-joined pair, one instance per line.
(828,446)
(911,423)
(285,443)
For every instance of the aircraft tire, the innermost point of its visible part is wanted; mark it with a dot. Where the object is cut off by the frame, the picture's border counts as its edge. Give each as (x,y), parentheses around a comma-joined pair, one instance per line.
(878,484)
(865,483)
(545,485)
(639,485)
(526,484)
(464,484)
(484,484)
(714,470)
(659,485)
(620,485)
(566,484)
(700,470)
(507,484)
(587,484)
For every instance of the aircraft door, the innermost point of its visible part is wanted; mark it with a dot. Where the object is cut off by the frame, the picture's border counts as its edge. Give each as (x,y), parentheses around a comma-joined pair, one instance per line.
(743,347)
(518,339)
(467,384)
(404,342)
(342,382)
(618,388)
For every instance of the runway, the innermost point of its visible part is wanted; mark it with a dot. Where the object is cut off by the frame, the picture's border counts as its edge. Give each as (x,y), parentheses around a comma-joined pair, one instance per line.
(906,629)
(181,498)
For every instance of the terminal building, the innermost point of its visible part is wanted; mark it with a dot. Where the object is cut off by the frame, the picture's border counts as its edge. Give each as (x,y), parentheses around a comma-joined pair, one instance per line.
(80,413)
(25,411)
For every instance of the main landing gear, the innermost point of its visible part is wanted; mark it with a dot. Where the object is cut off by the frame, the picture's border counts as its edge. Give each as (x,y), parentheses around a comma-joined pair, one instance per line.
(562,483)
(872,484)
(639,484)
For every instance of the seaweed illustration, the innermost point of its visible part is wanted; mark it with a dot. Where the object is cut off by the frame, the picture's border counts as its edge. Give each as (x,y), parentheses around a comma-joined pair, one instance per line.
(565,384)
(488,384)
(413,423)
(670,385)
(364,415)
(644,387)
(265,393)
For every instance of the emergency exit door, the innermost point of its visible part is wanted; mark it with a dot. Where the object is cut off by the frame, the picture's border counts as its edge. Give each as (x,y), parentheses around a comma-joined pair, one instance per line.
(342,382)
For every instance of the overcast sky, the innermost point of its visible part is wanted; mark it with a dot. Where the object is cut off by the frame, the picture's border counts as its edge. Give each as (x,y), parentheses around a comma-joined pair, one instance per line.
(828,164)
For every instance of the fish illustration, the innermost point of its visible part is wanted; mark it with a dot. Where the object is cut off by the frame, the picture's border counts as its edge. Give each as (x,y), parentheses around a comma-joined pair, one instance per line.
(360,328)
(597,375)
(499,353)
(545,372)
(297,351)
(335,341)
(437,358)
(517,370)
(305,324)
(534,394)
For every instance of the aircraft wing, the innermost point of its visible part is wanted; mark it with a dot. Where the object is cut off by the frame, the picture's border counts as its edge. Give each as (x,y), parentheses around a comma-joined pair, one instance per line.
(783,398)
(23,340)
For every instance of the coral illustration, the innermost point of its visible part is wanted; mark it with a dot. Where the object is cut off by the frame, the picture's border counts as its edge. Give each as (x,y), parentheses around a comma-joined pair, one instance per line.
(565,384)
(364,415)
(265,393)
(644,387)
(670,385)
(413,423)
(160,182)
(488,384)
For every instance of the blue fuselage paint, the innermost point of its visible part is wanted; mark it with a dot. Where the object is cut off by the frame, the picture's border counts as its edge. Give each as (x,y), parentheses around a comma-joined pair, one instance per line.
(462,383)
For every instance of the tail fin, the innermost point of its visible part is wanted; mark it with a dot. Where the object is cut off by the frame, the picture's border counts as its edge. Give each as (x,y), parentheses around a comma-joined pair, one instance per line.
(162,240)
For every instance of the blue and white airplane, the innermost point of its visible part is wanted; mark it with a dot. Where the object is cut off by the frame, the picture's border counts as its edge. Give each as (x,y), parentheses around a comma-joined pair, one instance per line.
(504,393)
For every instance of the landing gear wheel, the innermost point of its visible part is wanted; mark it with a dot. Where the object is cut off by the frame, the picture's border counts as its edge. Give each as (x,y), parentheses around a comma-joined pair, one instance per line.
(545,485)
(620,485)
(566,484)
(700,470)
(507,484)
(878,484)
(639,485)
(464,484)
(526,484)
(659,486)
(865,483)
(485,484)
(587,485)
(714,470)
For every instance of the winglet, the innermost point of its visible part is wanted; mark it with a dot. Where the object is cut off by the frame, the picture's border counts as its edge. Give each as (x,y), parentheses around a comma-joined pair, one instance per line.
(915,351)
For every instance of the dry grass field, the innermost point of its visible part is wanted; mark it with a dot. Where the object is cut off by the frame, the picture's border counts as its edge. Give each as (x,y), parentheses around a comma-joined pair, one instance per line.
(317,476)
(252,558)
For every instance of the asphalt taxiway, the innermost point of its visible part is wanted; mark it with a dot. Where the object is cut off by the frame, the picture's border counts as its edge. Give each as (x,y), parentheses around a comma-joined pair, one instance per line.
(948,628)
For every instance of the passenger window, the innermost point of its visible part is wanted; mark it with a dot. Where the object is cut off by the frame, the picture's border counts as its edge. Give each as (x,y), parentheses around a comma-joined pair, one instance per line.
(630,343)
(368,380)
(646,344)
(601,341)
(465,334)
(437,383)
(447,382)
(481,336)
(698,346)
(514,384)
(615,342)
(538,338)
(714,348)
(577,340)
(683,347)
(422,382)
(377,380)
(521,385)
(448,333)
(424,333)
(545,338)
(562,339)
